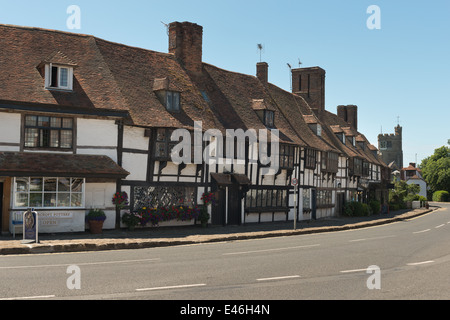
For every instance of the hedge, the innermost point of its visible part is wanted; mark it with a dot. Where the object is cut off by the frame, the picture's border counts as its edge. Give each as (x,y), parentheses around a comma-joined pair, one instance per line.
(441,196)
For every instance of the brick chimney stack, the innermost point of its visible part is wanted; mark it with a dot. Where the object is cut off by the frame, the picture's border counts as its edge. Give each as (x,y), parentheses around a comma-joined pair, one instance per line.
(349,114)
(262,72)
(310,84)
(186,42)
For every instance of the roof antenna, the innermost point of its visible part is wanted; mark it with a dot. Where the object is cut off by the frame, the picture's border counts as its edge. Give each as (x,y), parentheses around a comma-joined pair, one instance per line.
(260,48)
(299,63)
(167,27)
(290,74)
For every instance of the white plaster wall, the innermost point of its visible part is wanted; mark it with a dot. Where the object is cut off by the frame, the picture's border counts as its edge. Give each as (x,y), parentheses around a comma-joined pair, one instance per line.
(136,165)
(96,133)
(9,128)
(133,138)
(99,195)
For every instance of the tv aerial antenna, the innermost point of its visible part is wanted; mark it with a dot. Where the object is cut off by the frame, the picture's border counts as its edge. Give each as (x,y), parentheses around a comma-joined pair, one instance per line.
(167,27)
(260,47)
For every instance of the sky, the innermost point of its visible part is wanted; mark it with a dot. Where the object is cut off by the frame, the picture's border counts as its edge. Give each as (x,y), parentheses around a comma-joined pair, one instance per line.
(396,73)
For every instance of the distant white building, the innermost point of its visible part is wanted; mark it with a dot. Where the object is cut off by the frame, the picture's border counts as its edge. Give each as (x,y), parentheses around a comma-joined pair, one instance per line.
(413,175)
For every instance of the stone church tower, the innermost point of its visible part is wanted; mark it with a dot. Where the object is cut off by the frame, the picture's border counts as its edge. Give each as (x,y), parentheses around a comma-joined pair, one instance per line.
(391,148)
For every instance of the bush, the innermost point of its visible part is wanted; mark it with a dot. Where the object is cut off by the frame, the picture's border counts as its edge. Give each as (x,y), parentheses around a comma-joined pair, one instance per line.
(441,196)
(356,209)
(375,206)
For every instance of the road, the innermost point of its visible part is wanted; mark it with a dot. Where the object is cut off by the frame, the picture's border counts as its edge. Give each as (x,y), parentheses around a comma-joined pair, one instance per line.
(413,258)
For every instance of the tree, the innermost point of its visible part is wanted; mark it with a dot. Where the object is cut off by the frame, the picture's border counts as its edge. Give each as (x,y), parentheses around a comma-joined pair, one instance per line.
(436,170)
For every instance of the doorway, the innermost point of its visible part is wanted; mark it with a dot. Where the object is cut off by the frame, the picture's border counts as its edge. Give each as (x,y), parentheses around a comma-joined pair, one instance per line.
(219,207)
(234,205)
(314,204)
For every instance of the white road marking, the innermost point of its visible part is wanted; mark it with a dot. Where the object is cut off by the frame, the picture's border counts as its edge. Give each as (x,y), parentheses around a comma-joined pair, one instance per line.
(173,287)
(374,238)
(270,250)
(79,264)
(278,278)
(419,263)
(26,298)
(422,231)
(354,270)
(441,225)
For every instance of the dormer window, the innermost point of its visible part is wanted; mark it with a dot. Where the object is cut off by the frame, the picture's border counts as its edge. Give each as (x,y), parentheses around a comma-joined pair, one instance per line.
(167,96)
(172,101)
(316,128)
(58,77)
(58,71)
(269,117)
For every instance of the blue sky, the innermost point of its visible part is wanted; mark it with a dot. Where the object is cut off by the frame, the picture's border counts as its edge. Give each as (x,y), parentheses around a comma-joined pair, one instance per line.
(401,70)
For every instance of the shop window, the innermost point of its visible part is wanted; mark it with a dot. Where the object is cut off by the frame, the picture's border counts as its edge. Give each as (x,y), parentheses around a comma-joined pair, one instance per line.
(48,193)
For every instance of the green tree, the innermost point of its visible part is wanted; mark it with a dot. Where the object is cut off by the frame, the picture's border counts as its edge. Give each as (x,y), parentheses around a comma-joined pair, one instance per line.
(436,170)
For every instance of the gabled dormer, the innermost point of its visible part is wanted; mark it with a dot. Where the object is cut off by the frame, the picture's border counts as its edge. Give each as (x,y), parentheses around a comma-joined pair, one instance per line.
(170,98)
(313,124)
(58,71)
(264,112)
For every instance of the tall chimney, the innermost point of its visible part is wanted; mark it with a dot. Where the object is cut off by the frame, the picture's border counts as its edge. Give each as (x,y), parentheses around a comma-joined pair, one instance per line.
(310,84)
(349,114)
(185,42)
(262,72)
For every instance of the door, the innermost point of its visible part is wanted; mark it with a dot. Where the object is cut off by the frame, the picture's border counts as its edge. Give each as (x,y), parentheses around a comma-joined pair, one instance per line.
(219,207)
(234,205)
(314,204)
(340,204)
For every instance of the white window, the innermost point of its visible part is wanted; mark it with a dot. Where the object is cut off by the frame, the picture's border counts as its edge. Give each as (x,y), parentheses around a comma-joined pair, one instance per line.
(58,77)
(48,193)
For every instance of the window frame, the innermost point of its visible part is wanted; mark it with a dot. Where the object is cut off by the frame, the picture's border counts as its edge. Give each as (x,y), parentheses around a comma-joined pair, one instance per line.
(310,158)
(44,132)
(170,100)
(168,144)
(287,152)
(49,77)
(43,192)
(269,118)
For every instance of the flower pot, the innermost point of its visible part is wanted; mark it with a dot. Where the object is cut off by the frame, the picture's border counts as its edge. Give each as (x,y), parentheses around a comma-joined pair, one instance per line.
(96,227)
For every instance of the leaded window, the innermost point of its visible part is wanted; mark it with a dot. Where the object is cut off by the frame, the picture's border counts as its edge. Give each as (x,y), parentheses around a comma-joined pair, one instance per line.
(266,199)
(48,132)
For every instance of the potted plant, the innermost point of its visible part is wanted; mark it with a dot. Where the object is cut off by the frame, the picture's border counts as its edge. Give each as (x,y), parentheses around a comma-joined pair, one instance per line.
(95,219)
(208,199)
(120,200)
(131,219)
(204,215)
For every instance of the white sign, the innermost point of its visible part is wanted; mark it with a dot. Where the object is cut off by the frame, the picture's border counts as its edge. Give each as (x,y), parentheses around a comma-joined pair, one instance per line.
(61,221)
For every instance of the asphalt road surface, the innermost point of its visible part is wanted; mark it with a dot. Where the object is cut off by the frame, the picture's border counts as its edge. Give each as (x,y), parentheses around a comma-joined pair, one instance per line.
(403,260)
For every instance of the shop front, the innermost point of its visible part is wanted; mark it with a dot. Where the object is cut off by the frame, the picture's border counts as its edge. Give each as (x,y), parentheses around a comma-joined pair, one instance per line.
(60,187)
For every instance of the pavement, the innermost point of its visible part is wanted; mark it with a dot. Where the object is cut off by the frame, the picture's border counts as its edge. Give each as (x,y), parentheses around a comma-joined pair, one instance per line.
(188,235)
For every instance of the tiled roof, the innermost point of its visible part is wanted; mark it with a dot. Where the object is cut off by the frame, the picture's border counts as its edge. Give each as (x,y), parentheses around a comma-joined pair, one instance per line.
(111,76)
(59,165)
